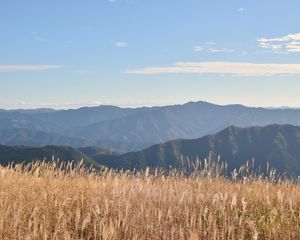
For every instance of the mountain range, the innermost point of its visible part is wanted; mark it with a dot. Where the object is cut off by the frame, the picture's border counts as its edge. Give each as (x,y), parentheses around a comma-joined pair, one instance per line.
(275,145)
(131,129)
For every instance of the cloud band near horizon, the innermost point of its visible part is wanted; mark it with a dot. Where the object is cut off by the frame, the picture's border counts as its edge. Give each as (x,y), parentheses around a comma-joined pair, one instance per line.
(27,68)
(225,68)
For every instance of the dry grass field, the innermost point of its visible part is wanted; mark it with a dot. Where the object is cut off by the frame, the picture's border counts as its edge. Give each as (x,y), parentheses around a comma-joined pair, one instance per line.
(52,201)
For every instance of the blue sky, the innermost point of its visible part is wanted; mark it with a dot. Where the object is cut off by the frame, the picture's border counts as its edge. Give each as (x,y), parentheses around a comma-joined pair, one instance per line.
(71,53)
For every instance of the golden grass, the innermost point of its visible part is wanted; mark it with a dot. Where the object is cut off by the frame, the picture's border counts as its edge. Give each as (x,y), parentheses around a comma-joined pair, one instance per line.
(48,201)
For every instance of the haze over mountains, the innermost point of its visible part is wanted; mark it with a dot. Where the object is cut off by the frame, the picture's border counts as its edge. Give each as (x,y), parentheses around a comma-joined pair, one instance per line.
(131,129)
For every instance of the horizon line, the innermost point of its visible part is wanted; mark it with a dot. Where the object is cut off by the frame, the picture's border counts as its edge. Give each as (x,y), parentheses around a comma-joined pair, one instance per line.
(135,106)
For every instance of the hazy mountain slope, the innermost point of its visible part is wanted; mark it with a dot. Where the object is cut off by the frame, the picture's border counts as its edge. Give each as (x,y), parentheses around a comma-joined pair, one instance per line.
(95,151)
(88,115)
(277,144)
(98,154)
(57,120)
(19,154)
(27,137)
(129,129)
(23,136)
(27,119)
(191,120)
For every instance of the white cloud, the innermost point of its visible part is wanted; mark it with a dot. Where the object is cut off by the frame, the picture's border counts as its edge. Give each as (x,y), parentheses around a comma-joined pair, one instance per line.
(241,9)
(285,44)
(225,68)
(293,48)
(121,44)
(210,47)
(27,68)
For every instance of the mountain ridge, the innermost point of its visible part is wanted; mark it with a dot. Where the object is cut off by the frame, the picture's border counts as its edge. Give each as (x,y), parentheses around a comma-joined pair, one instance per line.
(277,145)
(131,129)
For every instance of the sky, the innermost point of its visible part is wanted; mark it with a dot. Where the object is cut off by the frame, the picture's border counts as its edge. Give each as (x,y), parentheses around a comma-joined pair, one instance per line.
(73,53)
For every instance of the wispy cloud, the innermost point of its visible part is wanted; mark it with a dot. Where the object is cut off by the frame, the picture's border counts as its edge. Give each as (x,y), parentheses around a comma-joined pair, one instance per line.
(241,9)
(225,68)
(121,44)
(27,68)
(285,44)
(211,47)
